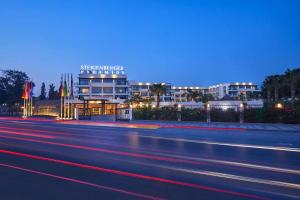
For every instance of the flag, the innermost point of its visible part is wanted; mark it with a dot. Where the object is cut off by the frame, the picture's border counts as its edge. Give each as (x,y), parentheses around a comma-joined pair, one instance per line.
(68,83)
(61,87)
(24,92)
(27,89)
(65,87)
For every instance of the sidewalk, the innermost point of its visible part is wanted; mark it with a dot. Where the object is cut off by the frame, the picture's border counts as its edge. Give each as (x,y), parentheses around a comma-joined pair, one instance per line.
(225,125)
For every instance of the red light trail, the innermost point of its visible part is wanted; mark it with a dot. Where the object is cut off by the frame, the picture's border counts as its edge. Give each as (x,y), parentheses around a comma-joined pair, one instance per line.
(134,175)
(83,182)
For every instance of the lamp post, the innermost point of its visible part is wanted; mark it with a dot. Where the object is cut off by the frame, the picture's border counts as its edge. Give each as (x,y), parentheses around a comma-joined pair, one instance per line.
(241,109)
(179,112)
(208,119)
(280,107)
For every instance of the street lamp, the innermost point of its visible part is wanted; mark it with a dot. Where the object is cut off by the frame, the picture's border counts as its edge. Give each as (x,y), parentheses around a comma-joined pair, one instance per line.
(279,106)
(179,112)
(208,119)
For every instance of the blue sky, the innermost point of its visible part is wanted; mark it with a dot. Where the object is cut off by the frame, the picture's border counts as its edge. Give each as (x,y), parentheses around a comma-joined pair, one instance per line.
(178,41)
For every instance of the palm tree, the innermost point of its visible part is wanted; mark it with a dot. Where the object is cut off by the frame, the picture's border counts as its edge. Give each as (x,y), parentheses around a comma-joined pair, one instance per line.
(194,95)
(134,99)
(267,87)
(292,77)
(276,83)
(158,89)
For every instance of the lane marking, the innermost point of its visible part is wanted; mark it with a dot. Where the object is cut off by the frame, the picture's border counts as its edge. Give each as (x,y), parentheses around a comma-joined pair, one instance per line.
(225,144)
(143,196)
(224,175)
(134,175)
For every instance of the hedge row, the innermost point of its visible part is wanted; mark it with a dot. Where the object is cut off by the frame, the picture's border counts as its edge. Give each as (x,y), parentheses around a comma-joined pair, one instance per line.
(171,113)
(268,114)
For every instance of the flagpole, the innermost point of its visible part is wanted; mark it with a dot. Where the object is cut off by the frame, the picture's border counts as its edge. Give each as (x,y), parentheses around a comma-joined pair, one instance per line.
(69,109)
(71,94)
(65,96)
(29,106)
(61,107)
(30,99)
(24,108)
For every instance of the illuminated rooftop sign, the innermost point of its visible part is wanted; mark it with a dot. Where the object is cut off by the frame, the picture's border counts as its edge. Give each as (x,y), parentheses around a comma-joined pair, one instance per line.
(102,69)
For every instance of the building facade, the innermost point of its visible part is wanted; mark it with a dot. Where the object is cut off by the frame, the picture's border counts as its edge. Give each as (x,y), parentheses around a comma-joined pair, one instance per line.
(180,94)
(143,90)
(110,83)
(100,85)
(235,90)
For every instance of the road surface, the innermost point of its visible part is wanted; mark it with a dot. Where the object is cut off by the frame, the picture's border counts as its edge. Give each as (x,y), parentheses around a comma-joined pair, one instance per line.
(44,159)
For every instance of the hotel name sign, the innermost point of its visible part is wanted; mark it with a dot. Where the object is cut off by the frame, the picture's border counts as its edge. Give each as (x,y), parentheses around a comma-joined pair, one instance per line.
(102,69)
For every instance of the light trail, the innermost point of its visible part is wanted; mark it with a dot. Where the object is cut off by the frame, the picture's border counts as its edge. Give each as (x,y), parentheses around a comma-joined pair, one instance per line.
(203,128)
(27,134)
(223,175)
(134,175)
(49,132)
(225,144)
(139,195)
(138,155)
(166,157)
(25,119)
(112,124)
(239,178)
(207,161)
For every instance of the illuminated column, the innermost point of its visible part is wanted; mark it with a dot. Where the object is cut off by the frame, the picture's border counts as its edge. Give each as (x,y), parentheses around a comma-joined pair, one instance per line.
(241,109)
(102,87)
(179,112)
(208,119)
(114,89)
(90,88)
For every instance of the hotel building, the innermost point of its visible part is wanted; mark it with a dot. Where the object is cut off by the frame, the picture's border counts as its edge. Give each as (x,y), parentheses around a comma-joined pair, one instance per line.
(143,90)
(110,84)
(100,90)
(180,93)
(233,90)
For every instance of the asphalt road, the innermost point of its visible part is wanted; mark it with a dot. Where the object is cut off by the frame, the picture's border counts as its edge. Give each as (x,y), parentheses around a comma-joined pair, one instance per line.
(41,160)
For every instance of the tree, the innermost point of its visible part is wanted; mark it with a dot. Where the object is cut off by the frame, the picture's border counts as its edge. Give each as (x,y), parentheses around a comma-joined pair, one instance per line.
(194,95)
(271,86)
(267,88)
(285,85)
(276,83)
(158,90)
(11,86)
(43,92)
(207,97)
(53,94)
(292,77)
(134,99)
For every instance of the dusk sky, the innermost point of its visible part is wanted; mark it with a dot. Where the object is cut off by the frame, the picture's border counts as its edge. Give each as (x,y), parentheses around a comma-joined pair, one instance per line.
(182,42)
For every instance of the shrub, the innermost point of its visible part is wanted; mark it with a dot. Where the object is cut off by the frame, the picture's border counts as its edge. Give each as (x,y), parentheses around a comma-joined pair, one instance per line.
(219,115)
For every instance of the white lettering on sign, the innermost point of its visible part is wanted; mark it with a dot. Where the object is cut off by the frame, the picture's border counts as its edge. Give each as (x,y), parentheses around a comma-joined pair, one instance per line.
(102,69)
